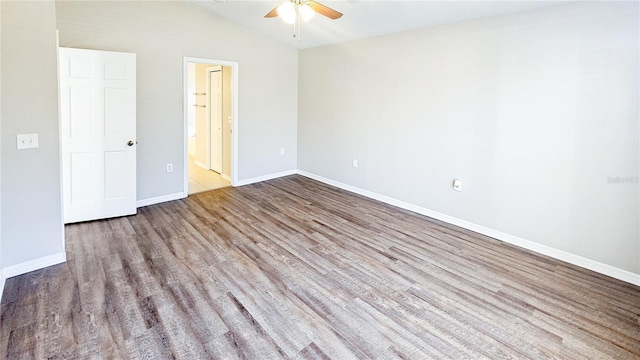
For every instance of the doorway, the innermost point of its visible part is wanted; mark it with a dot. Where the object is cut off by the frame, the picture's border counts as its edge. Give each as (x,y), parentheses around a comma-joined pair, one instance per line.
(210,98)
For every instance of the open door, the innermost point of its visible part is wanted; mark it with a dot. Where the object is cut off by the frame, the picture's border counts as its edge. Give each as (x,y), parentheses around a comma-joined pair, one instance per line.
(98,133)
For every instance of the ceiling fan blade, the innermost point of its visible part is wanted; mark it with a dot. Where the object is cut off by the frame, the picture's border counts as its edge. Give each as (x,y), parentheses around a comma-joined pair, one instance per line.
(272,13)
(324,10)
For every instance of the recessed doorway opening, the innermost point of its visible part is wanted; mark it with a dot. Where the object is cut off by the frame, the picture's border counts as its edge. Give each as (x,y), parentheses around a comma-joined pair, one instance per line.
(210,98)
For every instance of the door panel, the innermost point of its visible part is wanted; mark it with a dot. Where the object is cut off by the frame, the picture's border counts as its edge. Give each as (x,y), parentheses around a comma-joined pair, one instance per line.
(115,184)
(81,111)
(115,115)
(98,119)
(81,67)
(115,69)
(82,168)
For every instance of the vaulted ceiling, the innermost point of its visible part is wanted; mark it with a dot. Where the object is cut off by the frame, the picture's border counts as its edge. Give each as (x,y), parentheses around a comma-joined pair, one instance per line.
(363,18)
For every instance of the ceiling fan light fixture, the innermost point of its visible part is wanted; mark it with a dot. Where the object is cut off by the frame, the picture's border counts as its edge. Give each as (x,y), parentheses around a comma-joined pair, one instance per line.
(287,12)
(306,12)
(295,12)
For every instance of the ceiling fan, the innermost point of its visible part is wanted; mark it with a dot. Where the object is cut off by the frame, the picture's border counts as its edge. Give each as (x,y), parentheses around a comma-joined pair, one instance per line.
(296,11)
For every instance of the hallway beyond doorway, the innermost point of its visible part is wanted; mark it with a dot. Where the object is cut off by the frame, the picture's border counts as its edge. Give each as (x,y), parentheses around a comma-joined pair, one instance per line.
(210,145)
(204,180)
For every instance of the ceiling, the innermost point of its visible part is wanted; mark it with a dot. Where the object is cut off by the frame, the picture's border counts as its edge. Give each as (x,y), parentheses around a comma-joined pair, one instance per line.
(363,18)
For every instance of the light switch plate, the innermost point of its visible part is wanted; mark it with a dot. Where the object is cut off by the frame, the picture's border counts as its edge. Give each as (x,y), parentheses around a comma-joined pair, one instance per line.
(27,141)
(457,185)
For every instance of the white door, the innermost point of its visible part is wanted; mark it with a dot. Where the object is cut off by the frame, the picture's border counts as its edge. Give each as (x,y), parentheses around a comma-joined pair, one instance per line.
(215,104)
(98,133)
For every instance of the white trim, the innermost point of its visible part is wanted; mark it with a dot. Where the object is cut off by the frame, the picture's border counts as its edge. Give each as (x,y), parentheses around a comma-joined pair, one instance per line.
(226,177)
(235,100)
(160,199)
(265,177)
(28,266)
(593,265)
(64,243)
(31,265)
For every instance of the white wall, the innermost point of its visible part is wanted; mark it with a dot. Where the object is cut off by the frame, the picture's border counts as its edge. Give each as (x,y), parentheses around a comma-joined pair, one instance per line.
(161,34)
(31,215)
(536,112)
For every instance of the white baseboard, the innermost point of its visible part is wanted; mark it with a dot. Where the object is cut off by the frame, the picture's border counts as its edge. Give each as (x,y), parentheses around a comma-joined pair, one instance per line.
(160,199)
(586,263)
(265,177)
(226,177)
(204,166)
(28,266)
(35,264)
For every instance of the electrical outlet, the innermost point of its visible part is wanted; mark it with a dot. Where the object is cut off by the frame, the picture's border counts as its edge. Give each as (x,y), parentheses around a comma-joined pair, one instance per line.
(27,141)
(281,151)
(355,163)
(169,167)
(457,185)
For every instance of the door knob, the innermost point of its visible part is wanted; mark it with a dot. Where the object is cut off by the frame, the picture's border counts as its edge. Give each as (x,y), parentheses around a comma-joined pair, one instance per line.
(130,143)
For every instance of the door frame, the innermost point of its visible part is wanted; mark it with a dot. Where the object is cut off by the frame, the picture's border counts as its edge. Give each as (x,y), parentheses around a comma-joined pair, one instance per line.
(234,115)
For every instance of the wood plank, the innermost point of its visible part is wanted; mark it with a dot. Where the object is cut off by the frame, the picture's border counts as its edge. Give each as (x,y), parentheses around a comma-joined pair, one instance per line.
(293,268)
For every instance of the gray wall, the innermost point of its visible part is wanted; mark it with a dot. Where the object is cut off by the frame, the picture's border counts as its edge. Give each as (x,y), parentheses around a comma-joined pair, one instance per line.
(2,279)
(161,33)
(31,224)
(536,112)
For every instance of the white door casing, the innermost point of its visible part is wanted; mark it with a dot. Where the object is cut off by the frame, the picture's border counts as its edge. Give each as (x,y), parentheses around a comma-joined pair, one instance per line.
(234,68)
(215,117)
(98,133)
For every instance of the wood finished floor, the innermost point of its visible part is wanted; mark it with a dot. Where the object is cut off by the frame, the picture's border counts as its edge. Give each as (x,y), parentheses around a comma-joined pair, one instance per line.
(292,268)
